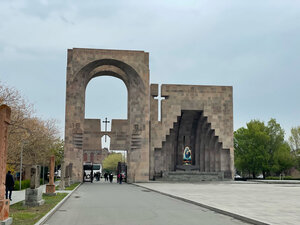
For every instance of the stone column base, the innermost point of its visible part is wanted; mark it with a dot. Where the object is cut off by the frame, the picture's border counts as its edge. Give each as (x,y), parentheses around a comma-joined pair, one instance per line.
(67,182)
(50,189)
(4,209)
(33,197)
(8,221)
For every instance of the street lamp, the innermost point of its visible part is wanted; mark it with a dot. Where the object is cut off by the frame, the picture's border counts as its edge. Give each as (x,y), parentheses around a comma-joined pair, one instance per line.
(21,160)
(21,163)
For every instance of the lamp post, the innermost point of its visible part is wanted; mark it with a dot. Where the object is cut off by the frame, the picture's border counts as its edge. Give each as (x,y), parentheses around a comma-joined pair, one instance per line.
(22,148)
(21,162)
(21,165)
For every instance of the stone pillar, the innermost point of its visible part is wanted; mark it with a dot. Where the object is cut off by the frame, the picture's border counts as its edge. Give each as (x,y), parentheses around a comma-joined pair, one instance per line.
(62,176)
(206,149)
(71,173)
(50,188)
(202,145)
(4,203)
(33,195)
(218,156)
(66,178)
(68,175)
(213,153)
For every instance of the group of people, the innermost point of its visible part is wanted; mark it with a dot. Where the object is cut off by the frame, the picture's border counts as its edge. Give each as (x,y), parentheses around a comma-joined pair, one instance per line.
(97,176)
(120,178)
(109,176)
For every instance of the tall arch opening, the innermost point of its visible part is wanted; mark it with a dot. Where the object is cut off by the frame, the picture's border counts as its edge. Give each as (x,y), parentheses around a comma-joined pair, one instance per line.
(106,101)
(106,97)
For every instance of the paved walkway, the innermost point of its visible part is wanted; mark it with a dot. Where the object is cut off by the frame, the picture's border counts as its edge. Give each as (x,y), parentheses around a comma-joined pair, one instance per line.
(105,203)
(269,203)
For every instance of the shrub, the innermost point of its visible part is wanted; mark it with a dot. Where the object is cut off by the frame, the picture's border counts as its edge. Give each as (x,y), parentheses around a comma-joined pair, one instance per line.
(24,184)
(283,178)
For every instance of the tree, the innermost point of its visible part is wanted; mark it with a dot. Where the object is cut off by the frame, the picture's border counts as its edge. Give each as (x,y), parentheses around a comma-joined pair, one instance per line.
(294,142)
(283,159)
(251,148)
(110,163)
(57,149)
(294,139)
(262,149)
(31,135)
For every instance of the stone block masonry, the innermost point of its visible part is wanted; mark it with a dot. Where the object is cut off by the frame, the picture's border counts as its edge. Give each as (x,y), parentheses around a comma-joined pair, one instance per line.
(5,113)
(50,188)
(197,117)
(34,197)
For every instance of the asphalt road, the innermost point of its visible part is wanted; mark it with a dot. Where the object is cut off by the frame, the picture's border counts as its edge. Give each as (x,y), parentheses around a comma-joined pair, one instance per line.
(105,203)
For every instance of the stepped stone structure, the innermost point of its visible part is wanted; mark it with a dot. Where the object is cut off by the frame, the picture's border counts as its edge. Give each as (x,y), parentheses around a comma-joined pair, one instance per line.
(193,141)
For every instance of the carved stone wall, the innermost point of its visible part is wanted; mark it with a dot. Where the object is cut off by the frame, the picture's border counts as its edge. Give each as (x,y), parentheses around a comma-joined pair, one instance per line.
(205,116)
(133,68)
(197,116)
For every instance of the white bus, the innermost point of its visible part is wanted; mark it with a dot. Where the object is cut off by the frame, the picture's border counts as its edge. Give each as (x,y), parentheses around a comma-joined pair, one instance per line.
(88,167)
(97,169)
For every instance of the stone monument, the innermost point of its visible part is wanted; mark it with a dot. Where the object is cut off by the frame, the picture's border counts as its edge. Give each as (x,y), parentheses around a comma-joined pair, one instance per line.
(50,188)
(34,194)
(194,117)
(62,175)
(4,203)
(68,175)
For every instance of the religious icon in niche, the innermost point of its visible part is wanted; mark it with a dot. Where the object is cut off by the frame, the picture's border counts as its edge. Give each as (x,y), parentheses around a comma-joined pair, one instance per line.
(187,156)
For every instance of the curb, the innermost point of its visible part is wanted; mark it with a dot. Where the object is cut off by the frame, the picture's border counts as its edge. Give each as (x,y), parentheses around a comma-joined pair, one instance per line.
(276,181)
(236,216)
(52,211)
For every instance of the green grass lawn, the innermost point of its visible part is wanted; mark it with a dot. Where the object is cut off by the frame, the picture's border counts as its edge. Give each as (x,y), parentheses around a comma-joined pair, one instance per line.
(70,188)
(24,215)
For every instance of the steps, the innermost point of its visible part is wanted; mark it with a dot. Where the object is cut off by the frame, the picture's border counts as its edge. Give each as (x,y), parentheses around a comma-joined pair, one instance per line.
(191,176)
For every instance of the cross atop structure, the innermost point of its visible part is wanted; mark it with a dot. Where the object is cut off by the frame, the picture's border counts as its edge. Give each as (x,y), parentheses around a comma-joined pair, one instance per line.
(106,122)
(159,99)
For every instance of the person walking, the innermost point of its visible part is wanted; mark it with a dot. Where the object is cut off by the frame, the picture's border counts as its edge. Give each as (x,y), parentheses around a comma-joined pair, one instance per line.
(97,175)
(121,178)
(9,185)
(92,176)
(111,177)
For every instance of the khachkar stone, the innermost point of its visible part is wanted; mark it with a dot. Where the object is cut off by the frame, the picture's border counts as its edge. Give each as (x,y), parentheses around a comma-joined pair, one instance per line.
(62,180)
(34,194)
(4,203)
(50,188)
(68,175)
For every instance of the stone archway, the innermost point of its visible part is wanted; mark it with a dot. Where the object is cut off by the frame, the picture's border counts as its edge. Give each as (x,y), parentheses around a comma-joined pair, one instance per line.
(132,67)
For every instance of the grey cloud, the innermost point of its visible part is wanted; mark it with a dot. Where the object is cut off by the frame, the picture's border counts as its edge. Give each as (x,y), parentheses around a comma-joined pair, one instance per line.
(252,45)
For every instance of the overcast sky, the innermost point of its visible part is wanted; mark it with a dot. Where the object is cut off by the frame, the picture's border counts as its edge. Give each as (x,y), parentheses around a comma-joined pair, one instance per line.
(251,45)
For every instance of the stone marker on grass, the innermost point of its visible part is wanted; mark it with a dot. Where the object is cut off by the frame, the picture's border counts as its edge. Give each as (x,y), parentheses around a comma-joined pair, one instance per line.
(62,175)
(50,188)
(68,175)
(34,194)
(4,203)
